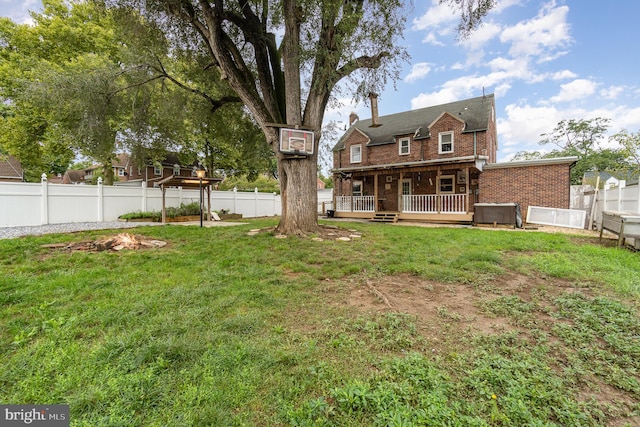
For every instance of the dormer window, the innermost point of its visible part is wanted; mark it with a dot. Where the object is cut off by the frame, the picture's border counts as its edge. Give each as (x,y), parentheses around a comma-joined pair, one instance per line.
(404,146)
(445,142)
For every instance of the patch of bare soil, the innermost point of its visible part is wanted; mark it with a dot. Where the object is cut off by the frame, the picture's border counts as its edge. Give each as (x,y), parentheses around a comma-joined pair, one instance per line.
(115,243)
(445,313)
(325,232)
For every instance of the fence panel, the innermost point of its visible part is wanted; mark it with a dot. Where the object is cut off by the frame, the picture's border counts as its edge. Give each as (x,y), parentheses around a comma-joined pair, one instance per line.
(20,204)
(621,198)
(24,204)
(72,203)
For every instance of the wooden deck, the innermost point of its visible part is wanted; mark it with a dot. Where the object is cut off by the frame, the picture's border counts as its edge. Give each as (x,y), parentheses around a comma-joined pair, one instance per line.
(463,218)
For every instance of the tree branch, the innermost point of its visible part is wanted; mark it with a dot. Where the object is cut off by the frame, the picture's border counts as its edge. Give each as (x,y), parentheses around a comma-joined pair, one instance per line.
(215,103)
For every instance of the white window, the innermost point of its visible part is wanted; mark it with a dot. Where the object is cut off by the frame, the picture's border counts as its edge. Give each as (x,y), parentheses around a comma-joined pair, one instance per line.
(157,170)
(356,153)
(356,188)
(404,146)
(120,172)
(445,142)
(446,183)
(176,170)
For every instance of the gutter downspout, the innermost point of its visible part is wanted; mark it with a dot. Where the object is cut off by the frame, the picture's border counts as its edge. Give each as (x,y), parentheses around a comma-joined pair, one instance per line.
(475,144)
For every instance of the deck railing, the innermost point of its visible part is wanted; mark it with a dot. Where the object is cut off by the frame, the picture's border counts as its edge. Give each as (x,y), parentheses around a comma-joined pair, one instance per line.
(432,203)
(355,204)
(423,203)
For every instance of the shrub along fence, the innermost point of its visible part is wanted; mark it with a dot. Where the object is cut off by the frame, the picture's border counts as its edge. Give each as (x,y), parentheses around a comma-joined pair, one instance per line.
(24,204)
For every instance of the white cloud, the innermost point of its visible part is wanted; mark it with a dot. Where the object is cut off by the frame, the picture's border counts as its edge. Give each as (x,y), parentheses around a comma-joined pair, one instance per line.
(563,75)
(612,92)
(577,89)
(521,129)
(18,11)
(418,71)
(438,20)
(448,94)
(502,89)
(541,36)
(503,4)
(437,16)
(482,36)
(513,68)
(626,118)
(431,38)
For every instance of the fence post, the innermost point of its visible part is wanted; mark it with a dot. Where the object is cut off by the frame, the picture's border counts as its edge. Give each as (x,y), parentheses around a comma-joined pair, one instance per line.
(100,200)
(144,196)
(235,196)
(275,204)
(255,202)
(45,199)
(621,186)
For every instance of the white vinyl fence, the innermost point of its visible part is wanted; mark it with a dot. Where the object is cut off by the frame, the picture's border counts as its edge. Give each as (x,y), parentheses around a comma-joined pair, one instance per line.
(621,198)
(23,204)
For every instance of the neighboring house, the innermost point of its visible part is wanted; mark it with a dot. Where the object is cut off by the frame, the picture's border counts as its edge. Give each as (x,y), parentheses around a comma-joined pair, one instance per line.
(151,172)
(429,164)
(612,179)
(320,185)
(127,172)
(74,176)
(10,169)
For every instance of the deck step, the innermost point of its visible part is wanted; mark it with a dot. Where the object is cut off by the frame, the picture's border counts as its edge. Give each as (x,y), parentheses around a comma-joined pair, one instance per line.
(385,217)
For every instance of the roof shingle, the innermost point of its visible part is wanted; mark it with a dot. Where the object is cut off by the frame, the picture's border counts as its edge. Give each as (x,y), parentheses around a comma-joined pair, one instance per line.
(475,112)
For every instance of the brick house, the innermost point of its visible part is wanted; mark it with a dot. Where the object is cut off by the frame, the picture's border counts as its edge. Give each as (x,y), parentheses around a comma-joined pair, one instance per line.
(435,164)
(153,172)
(128,173)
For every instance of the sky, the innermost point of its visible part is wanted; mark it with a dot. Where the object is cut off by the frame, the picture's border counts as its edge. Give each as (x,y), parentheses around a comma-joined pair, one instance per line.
(545,61)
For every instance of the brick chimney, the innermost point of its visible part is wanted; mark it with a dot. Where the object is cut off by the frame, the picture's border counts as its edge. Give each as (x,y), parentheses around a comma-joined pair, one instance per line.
(353,117)
(373,97)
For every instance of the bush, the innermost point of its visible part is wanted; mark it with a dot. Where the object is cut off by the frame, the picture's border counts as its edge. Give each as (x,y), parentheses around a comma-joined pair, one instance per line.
(184,210)
(140,214)
(171,212)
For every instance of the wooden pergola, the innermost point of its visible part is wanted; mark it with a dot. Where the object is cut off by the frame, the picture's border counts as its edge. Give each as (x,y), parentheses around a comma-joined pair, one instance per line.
(190,182)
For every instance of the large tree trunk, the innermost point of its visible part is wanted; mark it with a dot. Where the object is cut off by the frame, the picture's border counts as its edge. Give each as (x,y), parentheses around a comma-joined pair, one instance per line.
(299,195)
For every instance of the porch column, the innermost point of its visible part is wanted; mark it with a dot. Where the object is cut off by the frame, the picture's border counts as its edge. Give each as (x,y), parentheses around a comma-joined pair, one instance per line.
(438,201)
(400,198)
(468,184)
(375,191)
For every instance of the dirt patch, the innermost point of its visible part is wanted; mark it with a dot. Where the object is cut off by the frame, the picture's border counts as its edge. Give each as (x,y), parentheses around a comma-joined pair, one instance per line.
(448,313)
(119,242)
(441,309)
(324,232)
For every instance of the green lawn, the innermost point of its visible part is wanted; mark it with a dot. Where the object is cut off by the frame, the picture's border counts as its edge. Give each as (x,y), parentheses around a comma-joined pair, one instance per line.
(404,326)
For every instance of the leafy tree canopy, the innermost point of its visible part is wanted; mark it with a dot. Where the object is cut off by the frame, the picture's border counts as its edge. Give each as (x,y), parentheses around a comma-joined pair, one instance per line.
(585,139)
(285,61)
(78,83)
